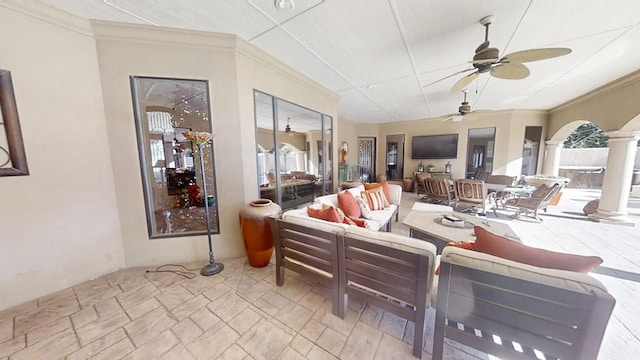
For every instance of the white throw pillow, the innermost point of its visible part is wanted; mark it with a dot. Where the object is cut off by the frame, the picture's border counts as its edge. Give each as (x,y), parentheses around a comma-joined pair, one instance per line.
(364,208)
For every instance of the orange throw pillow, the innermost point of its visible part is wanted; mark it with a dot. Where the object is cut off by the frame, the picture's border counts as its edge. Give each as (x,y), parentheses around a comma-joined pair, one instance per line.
(359,222)
(462,244)
(385,188)
(492,244)
(326,213)
(349,204)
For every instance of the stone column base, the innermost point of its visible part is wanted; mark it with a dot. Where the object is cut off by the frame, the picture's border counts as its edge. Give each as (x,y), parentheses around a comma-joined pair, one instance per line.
(608,217)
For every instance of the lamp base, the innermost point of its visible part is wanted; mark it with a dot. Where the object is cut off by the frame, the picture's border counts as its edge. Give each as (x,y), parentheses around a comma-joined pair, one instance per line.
(212,269)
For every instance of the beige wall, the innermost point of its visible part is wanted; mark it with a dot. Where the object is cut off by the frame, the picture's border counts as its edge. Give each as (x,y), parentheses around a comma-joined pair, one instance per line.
(80,213)
(510,127)
(59,225)
(234,69)
(348,133)
(124,51)
(614,106)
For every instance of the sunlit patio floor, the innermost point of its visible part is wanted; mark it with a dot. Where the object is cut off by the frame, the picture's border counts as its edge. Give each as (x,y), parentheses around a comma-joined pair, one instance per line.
(565,228)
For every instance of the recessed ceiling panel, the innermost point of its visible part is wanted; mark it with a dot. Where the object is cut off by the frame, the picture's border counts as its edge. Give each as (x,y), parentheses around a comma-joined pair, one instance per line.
(359,38)
(282,46)
(551,73)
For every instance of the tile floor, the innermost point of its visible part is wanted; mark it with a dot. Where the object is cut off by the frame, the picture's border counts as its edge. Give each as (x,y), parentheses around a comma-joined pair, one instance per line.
(241,313)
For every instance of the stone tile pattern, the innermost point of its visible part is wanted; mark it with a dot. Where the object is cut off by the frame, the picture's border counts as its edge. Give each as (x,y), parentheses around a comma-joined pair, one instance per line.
(237,314)
(241,314)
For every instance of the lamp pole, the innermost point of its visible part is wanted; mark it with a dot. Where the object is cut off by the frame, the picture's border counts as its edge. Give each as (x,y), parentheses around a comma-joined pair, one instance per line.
(213,267)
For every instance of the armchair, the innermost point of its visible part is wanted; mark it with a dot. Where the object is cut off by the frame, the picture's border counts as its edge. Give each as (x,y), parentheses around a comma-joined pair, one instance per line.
(473,195)
(439,191)
(420,184)
(530,205)
(518,311)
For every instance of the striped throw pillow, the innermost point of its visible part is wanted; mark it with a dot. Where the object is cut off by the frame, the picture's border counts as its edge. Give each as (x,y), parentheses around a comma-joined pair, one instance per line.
(375,198)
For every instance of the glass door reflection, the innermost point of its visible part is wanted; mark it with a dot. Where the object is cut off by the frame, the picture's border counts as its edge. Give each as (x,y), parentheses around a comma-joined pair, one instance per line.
(293,152)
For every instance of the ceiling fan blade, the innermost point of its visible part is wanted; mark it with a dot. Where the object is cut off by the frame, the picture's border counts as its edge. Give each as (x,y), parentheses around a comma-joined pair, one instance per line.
(464,82)
(510,71)
(448,76)
(534,55)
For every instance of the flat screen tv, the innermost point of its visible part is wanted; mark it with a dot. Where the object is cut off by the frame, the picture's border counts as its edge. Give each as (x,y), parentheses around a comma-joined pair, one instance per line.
(435,147)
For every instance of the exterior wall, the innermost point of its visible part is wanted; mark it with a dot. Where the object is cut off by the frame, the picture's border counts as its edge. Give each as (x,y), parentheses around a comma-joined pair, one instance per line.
(589,157)
(611,107)
(59,225)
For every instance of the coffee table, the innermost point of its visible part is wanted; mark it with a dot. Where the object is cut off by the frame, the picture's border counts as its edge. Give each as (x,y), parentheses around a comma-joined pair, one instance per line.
(426,225)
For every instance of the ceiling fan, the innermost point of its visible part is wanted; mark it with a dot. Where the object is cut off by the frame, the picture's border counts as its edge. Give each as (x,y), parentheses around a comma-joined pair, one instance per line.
(463,110)
(508,67)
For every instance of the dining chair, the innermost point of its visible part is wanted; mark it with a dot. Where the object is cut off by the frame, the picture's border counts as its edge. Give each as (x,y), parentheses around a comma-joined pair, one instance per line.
(439,191)
(472,196)
(420,184)
(501,179)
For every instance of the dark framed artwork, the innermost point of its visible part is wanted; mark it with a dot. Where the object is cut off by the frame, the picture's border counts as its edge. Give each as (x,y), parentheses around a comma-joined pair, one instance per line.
(13,160)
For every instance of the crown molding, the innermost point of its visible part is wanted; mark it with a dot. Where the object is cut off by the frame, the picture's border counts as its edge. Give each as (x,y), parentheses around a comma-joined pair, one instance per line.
(50,15)
(606,88)
(110,30)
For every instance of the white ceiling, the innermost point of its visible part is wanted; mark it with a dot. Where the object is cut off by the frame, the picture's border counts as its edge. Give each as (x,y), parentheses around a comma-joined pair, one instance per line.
(377,55)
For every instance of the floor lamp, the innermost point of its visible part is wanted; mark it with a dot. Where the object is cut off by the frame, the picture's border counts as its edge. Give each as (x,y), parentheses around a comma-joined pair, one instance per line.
(203,139)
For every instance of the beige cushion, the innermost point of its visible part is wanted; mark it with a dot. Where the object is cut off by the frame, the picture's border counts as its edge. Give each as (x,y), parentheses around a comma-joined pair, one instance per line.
(431,207)
(557,278)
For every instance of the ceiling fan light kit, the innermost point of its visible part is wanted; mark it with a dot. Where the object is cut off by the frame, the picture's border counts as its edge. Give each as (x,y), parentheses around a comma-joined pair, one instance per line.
(486,60)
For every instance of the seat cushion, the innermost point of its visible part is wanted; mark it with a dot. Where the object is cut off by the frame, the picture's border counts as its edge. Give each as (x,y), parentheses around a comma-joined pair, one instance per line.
(489,243)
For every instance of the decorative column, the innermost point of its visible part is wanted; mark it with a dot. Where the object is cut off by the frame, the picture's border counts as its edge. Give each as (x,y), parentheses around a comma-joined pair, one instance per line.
(551,165)
(617,178)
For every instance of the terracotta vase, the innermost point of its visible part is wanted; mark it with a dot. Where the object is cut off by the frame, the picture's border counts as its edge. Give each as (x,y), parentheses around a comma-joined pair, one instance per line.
(407,184)
(256,231)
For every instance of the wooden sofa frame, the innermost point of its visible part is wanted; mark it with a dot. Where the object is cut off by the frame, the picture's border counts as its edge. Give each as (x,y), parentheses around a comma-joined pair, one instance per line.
(306,251)
(474,305)
(392,279)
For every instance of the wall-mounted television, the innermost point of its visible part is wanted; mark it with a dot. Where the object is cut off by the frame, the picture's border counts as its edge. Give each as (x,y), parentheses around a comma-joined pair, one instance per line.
(434,146)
